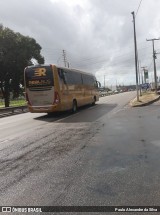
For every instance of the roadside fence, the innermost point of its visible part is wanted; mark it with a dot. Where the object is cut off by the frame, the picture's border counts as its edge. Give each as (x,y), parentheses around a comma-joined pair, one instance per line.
(16,106)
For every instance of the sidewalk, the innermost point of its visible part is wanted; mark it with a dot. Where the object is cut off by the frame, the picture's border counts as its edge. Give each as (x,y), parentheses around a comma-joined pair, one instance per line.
(146,99)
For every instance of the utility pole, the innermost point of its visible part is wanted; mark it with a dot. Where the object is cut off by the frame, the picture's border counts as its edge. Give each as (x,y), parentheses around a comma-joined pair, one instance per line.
(154,61)
(135,47)
(104,82)
(140,86)
(64,58)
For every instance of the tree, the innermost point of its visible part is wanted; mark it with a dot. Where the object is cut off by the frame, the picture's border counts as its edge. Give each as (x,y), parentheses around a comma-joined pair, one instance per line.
(16,52)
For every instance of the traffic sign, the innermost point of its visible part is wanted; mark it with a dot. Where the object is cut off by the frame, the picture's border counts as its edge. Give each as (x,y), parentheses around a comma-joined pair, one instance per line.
(145,86)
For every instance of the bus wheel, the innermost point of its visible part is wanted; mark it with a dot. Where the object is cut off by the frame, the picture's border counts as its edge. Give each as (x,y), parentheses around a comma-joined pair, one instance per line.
(74,106)
(94,101)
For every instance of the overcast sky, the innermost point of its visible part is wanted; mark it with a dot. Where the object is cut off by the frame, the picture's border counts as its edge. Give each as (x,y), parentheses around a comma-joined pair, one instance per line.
(97,35)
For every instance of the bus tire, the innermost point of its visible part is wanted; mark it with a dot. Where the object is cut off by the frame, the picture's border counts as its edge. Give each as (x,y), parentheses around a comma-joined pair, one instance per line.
(74,106)
(94,101)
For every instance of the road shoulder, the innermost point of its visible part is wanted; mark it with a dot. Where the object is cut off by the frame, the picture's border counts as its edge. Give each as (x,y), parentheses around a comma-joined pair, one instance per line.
(147,98)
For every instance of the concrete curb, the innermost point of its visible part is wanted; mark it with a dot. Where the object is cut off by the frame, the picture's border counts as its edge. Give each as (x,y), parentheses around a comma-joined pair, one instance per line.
(146,103)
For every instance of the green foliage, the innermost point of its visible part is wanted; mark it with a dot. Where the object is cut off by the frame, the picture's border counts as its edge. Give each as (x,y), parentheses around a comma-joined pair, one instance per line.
(13,103)
(16,52)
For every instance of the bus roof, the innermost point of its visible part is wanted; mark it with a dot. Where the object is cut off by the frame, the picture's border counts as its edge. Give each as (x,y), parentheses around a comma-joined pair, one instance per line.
(75,70)
(60,67)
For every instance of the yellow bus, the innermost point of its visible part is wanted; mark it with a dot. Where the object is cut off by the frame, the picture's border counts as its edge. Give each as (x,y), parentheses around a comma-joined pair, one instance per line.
(50,88)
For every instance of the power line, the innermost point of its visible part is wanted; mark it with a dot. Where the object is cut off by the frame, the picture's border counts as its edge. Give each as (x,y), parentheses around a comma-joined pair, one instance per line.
(76,58)
(138,7)
(101,59)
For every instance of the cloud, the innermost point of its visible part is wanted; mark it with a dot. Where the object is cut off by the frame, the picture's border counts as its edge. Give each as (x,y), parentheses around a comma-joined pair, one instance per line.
(97,35)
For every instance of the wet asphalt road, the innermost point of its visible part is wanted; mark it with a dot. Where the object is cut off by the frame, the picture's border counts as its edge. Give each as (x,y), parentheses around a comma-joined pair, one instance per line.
(108,154)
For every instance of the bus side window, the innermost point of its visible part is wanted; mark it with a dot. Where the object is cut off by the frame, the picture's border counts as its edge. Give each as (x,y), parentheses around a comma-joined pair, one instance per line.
(81,78)
(62,75)
(88,80)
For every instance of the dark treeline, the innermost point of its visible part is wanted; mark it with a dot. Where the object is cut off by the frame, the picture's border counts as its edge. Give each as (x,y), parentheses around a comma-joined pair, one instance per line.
(16,52)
